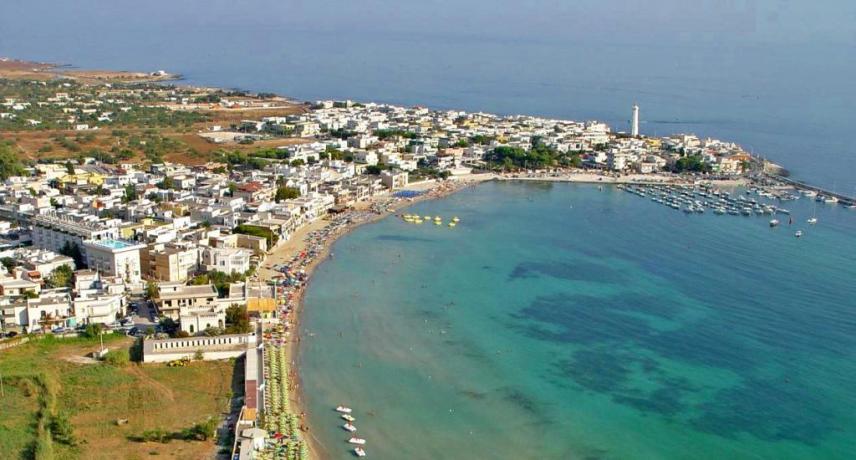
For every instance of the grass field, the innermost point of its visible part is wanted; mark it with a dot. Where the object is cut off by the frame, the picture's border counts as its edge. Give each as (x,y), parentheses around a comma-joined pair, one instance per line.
(41,383)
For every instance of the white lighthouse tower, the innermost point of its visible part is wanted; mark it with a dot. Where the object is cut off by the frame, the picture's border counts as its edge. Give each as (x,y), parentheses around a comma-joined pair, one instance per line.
(634,122)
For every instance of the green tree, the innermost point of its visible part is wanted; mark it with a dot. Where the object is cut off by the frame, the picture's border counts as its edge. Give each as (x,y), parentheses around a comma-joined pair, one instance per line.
(257,231)
(92,331)
(286,193)
(10,162)
(152,290)
(62,276)
(130,193)
(168,183)
(73,250)
(237,320)
(9,263)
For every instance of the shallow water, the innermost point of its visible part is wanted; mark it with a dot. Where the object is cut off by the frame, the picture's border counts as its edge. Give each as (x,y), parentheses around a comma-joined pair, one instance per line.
(558,321)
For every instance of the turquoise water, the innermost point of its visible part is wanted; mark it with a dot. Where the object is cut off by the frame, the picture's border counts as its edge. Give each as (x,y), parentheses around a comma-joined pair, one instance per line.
(558,322)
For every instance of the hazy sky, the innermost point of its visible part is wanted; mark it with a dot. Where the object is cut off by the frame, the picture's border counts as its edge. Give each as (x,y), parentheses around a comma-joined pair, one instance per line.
(648,22)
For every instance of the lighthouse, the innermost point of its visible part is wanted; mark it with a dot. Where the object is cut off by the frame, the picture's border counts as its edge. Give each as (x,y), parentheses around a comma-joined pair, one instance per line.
(634,121)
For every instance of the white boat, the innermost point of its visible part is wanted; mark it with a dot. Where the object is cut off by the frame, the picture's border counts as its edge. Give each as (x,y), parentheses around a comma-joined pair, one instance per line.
(359,452)
(343,409)
(812,220)
(359,441)
(348,417)
(830,199)
(349,427)
(774,223)
(798,233)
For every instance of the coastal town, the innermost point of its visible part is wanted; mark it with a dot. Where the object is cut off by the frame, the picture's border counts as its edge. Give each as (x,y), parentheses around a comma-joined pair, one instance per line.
(189,219)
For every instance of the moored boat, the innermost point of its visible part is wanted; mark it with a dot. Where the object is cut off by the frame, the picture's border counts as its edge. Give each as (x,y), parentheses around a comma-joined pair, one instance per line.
(343,409)
(359,441)
(359,452)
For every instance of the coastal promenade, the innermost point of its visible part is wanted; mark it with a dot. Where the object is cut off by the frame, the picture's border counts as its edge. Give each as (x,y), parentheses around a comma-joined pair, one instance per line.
(628,179)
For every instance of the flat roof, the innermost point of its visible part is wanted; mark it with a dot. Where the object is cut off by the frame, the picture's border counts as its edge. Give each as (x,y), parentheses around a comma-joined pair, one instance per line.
(115,245)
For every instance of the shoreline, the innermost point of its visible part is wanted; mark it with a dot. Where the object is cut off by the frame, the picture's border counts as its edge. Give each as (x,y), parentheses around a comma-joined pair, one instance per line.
(372,210)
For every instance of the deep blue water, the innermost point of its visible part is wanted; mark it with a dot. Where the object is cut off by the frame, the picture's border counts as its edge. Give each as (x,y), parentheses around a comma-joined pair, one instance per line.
(558,321)
(773,76)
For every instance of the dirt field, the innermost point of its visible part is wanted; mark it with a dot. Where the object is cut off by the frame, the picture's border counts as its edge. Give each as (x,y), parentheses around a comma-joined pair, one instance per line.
(14,69)
(95,396)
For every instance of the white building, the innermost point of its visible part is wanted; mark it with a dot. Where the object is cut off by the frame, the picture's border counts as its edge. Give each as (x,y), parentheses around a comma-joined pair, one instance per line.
(226,260)
(394,180)
(53,232)
(115,257)
(102,309)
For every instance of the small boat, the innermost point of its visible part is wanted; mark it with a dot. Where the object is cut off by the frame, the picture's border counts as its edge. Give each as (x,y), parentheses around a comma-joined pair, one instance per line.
(455,219)
(348,417)
(359,452)
(812,220)
(359,441)
(349,427)
(452,224)
(798,233)
(343,409)
(774,223)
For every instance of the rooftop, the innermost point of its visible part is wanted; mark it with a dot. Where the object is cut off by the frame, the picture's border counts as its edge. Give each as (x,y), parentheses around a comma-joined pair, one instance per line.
(116,245)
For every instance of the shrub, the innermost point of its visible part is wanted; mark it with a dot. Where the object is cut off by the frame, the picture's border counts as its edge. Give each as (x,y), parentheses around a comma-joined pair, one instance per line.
(92,331)
(118,358)
(62,430)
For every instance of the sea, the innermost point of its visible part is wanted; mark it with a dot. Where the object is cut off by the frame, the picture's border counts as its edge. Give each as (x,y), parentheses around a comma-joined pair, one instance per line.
(566,321)
(556,321)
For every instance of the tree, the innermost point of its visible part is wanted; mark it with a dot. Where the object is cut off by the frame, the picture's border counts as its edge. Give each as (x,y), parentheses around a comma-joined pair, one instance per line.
(257,231)
(130,193)
(169,326)
(9,263)
(92,331)
(286,193)
(168,183)
(237,320)
(152,290)
(374,170)
(69,167)
(62,276)
(10,162)
(298,162)
(73,250)
(691,163)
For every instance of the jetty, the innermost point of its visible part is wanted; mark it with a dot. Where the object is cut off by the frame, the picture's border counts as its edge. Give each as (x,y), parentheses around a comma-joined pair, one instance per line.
(843,199)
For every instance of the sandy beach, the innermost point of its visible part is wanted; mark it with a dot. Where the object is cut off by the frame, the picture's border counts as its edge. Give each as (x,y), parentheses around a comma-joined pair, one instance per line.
(310,245)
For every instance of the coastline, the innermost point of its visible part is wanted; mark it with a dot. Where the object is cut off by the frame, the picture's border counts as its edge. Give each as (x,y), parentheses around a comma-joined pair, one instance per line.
(383,206)
(372,210)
